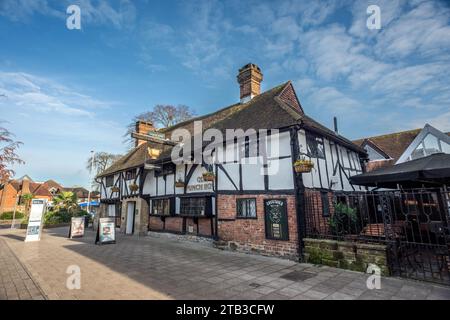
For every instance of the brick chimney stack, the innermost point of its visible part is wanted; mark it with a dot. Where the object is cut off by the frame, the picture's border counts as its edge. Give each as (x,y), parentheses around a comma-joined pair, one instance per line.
(143,127)
(249,79)
(25,186)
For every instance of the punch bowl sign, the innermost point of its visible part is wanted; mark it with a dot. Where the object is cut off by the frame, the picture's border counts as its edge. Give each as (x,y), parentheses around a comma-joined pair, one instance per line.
(275,212)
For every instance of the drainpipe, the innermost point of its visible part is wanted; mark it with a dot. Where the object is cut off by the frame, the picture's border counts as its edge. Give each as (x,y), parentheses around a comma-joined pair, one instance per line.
(299,192)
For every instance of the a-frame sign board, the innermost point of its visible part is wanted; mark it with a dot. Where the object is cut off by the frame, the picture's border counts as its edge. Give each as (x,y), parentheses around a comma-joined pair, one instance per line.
(106,231)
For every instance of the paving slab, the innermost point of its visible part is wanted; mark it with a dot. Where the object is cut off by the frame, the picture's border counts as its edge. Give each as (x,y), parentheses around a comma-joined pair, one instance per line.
(159,268)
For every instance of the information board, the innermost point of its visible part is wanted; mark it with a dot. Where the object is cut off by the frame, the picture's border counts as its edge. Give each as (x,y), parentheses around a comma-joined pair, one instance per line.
(34,229)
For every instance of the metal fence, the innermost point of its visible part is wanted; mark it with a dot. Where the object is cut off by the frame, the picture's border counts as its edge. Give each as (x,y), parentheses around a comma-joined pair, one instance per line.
(413,224)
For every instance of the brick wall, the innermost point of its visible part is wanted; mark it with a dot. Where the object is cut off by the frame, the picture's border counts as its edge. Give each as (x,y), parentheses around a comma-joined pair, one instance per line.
(7,199)
(174,224)
(316,223)
(155,223)
(288,96)
(249,234)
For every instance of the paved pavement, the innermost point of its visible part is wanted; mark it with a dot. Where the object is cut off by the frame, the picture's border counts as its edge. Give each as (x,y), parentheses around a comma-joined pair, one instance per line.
(15,280)
(158,268)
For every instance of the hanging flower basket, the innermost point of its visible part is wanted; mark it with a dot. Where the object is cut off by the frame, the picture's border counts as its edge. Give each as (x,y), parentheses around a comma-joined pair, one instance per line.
(208,176)
(134,187)
(303,165)
(115,189)
(179,184)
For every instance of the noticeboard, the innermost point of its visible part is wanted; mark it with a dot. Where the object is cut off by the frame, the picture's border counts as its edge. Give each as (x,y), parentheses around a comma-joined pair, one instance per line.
(34,229)
(276,222)
(76,227)
(106,231)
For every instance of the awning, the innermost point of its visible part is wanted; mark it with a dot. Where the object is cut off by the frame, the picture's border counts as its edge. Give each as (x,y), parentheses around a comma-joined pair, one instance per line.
(92,204)
(431,170)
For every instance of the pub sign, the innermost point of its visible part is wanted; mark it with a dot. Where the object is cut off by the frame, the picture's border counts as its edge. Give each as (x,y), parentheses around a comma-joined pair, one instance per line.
(275,213)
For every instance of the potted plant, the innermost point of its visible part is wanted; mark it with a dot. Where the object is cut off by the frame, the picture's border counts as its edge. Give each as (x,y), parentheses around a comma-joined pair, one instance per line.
(179,183)
(134,187)
(115,189)
(208,176)
(303,165)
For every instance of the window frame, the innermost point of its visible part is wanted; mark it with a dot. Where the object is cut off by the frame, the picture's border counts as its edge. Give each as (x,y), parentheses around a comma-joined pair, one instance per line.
(312,138)
(207,210)
(169,213)
(238,208)
(107,184)
(130,174)
(325,204)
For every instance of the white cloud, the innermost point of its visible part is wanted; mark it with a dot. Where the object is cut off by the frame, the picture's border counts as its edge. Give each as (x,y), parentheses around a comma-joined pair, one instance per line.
(334,54)
(22,10)
(30,93)
(422,31)
(332,99)
(58,126)
(99,12)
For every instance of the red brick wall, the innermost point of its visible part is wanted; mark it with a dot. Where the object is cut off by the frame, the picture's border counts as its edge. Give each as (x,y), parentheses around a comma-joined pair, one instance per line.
(249,234)
(288,96)
(315,221)
(8,199)
(174,224)
(155,223)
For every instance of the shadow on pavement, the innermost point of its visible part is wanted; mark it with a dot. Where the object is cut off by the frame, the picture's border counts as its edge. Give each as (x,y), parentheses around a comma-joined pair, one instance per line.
(14,237)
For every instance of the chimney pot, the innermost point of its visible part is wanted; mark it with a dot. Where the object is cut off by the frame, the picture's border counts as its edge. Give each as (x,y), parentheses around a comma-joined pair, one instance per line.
(249,79)
(143,127)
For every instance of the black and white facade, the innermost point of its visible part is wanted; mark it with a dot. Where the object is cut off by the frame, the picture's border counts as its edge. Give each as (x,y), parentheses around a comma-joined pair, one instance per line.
(248,190)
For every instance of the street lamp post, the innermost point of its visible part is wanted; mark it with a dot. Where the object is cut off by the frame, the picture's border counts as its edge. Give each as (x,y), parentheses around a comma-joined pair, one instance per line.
(90,181)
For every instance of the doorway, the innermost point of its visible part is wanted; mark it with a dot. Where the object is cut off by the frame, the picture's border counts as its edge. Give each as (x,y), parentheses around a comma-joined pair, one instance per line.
(131,209)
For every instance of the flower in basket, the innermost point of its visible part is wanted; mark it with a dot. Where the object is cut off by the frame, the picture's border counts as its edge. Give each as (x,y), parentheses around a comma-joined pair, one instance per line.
(115,189)
(179,183)
(303,165)
(134,187)
(208,176)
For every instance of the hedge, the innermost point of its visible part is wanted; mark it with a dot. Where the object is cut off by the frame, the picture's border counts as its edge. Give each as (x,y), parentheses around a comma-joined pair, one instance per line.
(10,214)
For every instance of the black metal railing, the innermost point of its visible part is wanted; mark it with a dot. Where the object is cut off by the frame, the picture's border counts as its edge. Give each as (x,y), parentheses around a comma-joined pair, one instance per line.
(413,224)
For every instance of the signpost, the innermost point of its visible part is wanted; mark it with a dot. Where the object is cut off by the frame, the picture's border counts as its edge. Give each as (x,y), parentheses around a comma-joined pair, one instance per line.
(106,231)
(34,229)
(76,227)
(276,219)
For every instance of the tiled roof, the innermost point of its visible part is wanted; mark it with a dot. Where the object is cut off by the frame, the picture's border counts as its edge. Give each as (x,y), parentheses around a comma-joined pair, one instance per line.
(269,110)
(393,144)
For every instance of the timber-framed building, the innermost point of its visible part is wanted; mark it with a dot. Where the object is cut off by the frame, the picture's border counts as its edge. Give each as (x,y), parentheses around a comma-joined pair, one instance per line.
(243,207)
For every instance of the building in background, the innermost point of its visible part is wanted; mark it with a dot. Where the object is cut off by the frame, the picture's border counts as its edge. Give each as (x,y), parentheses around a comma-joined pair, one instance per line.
(12,191)
(83,198)
(394,148)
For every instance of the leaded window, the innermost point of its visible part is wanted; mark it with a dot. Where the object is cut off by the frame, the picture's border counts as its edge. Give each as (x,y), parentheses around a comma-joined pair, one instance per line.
(109,181)
(315,146)
(161,206)
(193,206)
(246,208)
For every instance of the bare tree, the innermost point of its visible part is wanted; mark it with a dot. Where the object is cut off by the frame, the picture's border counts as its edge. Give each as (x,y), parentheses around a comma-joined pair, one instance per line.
(162,116)
(8,155)
(102,160)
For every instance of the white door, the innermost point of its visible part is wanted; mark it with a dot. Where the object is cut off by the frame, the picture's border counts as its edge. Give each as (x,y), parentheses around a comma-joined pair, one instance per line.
(130,217)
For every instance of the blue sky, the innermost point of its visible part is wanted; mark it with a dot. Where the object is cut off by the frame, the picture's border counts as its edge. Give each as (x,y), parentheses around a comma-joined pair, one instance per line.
(72,91)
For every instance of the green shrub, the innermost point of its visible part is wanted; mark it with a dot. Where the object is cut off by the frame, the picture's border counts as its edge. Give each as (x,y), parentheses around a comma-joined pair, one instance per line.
(62,216)
(344,221)
(9,215)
